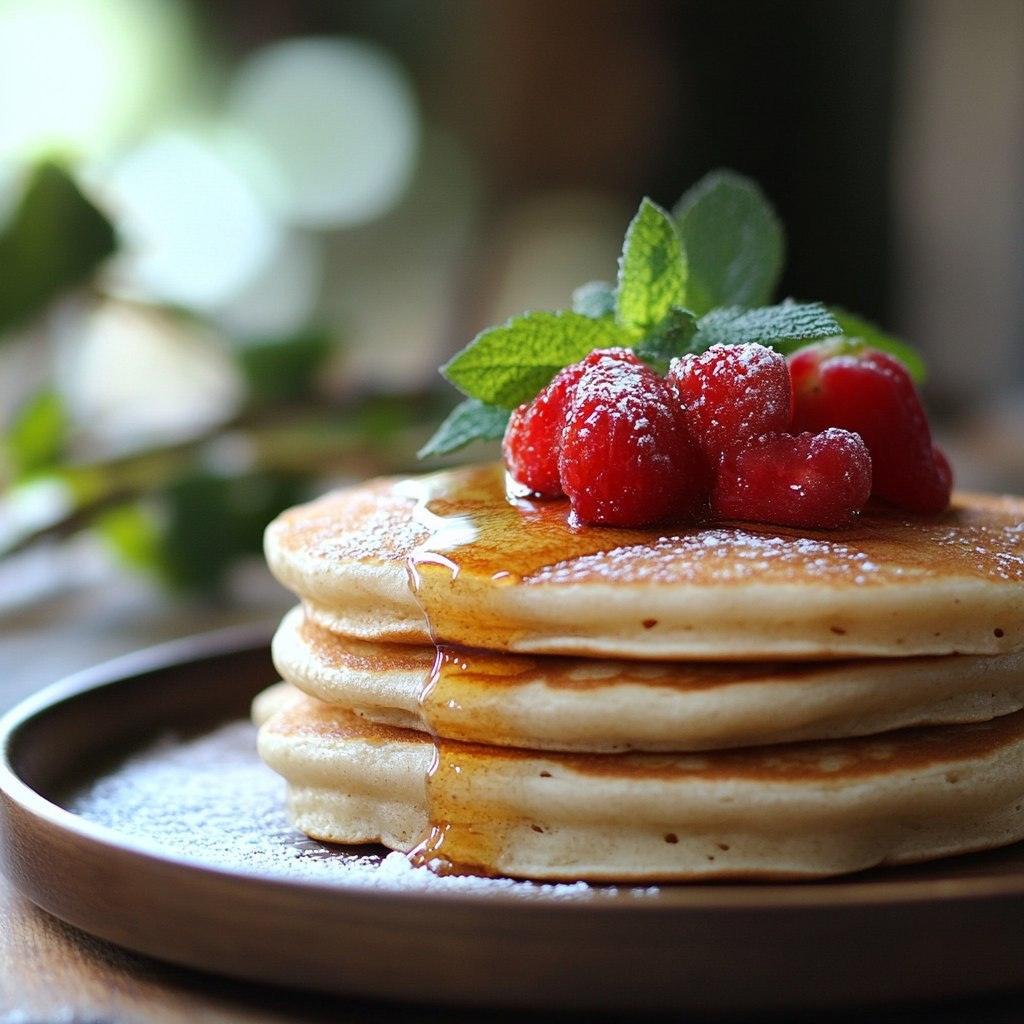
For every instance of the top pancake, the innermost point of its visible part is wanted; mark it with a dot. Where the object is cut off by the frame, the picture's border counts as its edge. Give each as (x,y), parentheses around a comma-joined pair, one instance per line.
(447,557)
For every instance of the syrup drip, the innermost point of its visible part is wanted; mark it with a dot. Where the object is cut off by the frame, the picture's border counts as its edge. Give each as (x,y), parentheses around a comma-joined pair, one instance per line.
(433,568)
(468,533)
(463,835)
(481,537)
(461,698)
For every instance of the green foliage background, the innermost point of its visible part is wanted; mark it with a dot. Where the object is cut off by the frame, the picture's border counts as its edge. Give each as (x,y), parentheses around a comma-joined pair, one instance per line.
(174,511)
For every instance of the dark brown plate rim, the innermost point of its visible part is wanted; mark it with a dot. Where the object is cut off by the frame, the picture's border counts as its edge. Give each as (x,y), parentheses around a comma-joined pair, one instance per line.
(954,928)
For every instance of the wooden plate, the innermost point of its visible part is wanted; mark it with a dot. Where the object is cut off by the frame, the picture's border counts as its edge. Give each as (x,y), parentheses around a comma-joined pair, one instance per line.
(134,807)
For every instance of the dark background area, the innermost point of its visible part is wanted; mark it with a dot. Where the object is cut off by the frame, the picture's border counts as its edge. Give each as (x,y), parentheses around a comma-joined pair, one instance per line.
(643,98)
(887,133)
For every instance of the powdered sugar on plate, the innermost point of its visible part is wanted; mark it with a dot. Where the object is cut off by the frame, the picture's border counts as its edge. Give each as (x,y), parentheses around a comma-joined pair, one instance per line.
(208,800)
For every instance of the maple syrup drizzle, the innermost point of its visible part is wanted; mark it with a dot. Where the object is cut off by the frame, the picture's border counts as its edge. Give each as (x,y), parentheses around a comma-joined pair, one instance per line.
(463,835)
(433,567)
(468,531)
(480,537)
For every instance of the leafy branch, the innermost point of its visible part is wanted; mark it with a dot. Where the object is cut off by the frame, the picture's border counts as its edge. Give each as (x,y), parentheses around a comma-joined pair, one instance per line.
(181,510)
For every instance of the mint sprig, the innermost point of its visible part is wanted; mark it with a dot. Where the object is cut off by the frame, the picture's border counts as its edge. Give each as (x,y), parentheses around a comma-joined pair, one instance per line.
(781,326)
(509,364)
(673,336)
(652,271)
(701,275)
(595,299)
(470,420)
(734,240)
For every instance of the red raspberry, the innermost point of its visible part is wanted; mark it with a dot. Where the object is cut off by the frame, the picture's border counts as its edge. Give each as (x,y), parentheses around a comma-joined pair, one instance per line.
(732,394)
(872,393)
(627,458)
(808,480)
(533,437)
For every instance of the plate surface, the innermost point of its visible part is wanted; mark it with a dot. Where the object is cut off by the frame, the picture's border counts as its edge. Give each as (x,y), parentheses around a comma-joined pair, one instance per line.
(134,807)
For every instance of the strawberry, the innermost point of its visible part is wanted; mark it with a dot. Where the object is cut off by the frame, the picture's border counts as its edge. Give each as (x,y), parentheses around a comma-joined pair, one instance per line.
(732,394)
(807,480)
(872,393)
(627,458)
(533,437)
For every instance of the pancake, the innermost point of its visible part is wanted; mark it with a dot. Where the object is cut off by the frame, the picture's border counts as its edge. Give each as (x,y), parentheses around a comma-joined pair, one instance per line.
(489,686)
(799,810)
(564,703)
(446,557)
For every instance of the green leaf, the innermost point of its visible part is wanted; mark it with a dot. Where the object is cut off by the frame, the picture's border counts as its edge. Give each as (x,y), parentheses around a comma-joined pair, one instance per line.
(132,532)
(210,521)
(652,270)
(595,299)
(672,337)
(284,368)
(469,421)
(777,326)
(54,241)
(733,240)
(38,435)
(859,329)
(507,365)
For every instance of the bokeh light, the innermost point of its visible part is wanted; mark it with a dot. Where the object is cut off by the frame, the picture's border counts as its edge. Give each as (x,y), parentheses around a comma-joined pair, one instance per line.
(78,76)
(194,229)
(134,375)
(338,120)
(283,296)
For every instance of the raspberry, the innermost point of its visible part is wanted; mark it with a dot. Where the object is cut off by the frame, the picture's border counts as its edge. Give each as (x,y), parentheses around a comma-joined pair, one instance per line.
(533,437)
(529,449)
(732,394)
(627,458)
(872,393)
(807,480)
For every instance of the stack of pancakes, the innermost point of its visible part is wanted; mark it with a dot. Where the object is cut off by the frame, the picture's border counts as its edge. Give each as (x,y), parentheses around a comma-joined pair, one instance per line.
(488,686)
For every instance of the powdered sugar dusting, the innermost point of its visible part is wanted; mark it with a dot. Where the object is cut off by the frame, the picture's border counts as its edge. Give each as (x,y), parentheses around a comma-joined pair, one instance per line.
(721,555)
(998,552)
(210,801)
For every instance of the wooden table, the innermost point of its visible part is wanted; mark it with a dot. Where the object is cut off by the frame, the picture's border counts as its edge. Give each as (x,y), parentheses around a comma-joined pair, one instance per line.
(51,972)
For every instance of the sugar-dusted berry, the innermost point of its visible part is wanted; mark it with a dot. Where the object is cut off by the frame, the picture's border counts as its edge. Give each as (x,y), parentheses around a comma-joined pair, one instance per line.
(732,394)
(804,480)
(533,437)
(627,458)
(872,393)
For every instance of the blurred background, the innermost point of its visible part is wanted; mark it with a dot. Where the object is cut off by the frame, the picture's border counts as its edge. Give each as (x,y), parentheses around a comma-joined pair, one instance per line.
(237,238)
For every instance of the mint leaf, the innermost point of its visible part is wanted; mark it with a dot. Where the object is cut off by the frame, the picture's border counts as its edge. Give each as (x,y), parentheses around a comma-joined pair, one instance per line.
(672,337)
(471,420)
(770,325)
(595,299)
(859,329)
(652,270)
(507,365)
(733,240)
